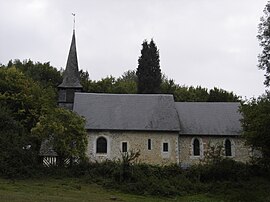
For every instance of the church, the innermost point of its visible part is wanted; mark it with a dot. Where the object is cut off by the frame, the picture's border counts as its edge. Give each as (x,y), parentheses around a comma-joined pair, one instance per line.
(164,131)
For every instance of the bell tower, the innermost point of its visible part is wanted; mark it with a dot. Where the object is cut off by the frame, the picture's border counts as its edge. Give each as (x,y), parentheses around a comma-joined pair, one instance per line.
(71,78)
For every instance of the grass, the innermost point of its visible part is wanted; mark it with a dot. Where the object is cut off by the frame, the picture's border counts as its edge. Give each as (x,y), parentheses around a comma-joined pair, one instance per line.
(72,190)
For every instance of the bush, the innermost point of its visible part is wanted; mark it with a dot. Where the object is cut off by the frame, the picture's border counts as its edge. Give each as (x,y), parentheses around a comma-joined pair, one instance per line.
(225,170)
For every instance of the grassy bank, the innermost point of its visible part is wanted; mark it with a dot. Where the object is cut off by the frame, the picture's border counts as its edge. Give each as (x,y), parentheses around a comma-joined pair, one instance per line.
(73,190)
(225,180)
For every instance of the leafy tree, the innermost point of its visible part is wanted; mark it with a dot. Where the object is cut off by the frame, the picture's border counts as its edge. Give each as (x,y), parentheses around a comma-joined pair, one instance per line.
(16,156)
(43,73)
(256,125)
(264,39)
(84,80)
(66,132)
(148,71)
(26,99)
(220,95)
(127,83)
(128,76)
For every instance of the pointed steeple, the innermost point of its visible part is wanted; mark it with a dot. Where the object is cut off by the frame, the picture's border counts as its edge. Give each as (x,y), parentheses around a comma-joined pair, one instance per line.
(71,77)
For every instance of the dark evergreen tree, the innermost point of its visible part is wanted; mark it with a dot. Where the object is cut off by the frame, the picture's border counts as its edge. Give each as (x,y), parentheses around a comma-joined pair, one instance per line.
(264,38)
(148,71)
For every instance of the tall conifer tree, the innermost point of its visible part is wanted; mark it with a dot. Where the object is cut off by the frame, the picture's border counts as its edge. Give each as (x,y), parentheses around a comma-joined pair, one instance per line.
(148,71)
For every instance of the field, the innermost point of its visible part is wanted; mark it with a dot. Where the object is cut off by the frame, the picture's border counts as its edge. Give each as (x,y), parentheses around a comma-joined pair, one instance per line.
(72,190)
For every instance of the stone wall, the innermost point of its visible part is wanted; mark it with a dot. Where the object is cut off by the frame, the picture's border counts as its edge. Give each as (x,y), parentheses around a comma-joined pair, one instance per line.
(240,152)
(136,140)
(180,147)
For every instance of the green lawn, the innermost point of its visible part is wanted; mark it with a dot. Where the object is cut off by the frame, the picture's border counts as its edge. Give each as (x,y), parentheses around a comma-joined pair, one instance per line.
(71,190)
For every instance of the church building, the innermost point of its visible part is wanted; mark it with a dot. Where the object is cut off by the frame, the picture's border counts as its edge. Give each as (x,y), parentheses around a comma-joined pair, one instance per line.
(164,131)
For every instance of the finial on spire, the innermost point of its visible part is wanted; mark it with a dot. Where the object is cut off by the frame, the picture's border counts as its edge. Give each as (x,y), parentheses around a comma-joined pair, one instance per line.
(73,14)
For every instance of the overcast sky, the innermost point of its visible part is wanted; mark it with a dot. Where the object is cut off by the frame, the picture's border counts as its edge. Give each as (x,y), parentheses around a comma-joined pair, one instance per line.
(211,43)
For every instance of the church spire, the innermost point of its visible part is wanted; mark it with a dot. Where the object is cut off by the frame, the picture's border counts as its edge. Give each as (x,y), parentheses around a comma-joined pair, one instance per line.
(71,78)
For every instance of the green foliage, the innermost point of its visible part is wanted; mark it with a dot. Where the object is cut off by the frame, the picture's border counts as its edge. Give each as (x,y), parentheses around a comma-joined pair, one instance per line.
(256,125)
(66,131)
(44,73)
(264,39)
(148,71)
(126,161)
(224,170)
(172,180)
(30,106)
(17,157)
(24,97)
(220,95)
(127,84)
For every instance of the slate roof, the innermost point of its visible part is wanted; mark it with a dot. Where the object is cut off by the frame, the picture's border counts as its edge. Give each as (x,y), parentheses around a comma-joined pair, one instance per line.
(206,118)
(71,77)
(127,111)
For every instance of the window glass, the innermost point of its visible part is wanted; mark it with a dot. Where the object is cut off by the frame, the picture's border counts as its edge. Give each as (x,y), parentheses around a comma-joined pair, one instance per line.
(149,144)
(124,146)
(101,145)
(196,147)
(165,147)
(228,148)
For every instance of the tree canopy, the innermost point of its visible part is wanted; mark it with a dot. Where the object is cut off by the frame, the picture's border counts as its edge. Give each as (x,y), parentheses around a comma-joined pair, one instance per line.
(256,112)
(264,39)
(66,132)
(24,103)
(256,125)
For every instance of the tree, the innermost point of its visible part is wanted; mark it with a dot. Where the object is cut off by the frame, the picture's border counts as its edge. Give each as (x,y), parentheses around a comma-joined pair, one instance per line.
(264,39)
(220,95)
(148,71)
(66,132)
(16,156)
(26,99)
(128,76)
(43,73)
(256,125)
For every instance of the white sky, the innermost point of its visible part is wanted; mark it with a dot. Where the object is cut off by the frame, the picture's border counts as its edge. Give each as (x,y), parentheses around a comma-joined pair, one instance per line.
(211,43)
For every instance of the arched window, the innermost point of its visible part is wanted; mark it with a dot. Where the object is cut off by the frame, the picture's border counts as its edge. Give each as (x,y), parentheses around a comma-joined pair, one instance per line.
(228,148)
(196,147)
(101,145)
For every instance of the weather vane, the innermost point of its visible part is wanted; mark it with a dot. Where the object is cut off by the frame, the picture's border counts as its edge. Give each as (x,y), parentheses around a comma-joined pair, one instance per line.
(73,14)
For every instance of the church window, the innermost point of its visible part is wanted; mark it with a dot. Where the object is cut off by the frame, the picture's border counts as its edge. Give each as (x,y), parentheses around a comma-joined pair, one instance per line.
(196,147)
(124,146)
(165,147)
(101,145)
(228,148)
(149,144)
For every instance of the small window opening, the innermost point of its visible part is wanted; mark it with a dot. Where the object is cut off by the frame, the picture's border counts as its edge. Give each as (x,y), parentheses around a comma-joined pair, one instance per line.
(149,144)
(228,148)
(124,146)
(196,147)
(165,147)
